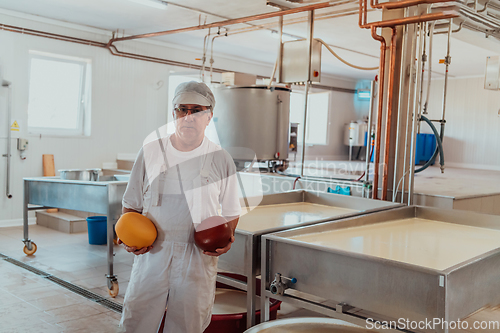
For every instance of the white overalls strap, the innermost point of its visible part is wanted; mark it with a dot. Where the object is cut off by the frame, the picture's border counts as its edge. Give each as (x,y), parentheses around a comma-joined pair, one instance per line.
(161,178)
(200,184)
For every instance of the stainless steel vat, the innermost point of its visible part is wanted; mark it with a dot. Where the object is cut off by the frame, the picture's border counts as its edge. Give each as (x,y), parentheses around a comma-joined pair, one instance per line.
(307,324)
(253,117)
(388,289)
(244,258)
(80,174)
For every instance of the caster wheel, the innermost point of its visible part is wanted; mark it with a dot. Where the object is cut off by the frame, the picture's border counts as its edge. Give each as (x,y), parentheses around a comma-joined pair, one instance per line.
(113,292)
(30,252)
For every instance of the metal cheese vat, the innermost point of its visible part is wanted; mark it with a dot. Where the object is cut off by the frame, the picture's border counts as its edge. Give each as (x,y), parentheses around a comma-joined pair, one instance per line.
(253,117)
(304,325)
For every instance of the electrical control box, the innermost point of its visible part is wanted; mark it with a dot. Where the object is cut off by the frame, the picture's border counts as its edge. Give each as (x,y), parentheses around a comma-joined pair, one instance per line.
(294,62)
(22,144)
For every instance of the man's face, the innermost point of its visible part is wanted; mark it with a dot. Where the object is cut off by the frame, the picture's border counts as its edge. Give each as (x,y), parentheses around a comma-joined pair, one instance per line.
(191,120)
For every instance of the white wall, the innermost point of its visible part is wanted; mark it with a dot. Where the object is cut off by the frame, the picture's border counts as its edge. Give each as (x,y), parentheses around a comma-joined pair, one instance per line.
(126,102)
(129,100)
(472,132)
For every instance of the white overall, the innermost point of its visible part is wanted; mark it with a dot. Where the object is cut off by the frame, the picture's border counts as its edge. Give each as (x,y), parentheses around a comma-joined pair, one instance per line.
(175,270)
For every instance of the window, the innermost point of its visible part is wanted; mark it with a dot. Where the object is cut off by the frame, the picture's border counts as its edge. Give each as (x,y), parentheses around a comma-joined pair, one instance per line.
(59,95)
(317,116)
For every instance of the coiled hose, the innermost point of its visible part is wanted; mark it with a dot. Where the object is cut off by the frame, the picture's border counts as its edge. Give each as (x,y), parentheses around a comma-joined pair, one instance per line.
(439,146)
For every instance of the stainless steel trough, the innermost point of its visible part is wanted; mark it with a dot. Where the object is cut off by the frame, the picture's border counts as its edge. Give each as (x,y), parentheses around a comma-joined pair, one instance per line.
(412,263)
(282,211)
(101,197)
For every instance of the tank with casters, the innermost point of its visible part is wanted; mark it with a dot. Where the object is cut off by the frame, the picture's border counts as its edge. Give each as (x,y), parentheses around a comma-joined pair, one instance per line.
(254,117)
(303,325)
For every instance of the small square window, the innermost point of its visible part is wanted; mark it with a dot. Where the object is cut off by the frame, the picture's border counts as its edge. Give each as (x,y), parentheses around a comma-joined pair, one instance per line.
(59,95)
(318,106)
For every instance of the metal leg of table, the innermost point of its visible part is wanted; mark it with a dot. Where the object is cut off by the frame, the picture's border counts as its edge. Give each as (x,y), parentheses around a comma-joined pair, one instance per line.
(264,299)
(112,281)
(29,246)
(251,285)
(25,212)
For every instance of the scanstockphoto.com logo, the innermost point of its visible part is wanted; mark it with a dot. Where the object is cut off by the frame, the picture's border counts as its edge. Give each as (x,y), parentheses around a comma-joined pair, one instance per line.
(435,323)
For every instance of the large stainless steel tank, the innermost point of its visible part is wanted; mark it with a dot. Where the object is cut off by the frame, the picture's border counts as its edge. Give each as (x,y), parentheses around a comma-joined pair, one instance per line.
(253,117)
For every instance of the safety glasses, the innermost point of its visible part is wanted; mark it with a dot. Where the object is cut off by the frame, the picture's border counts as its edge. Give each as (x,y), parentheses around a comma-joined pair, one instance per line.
(196,111)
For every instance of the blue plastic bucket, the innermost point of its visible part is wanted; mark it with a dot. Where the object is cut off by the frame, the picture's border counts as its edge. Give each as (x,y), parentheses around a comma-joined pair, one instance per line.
(97,230)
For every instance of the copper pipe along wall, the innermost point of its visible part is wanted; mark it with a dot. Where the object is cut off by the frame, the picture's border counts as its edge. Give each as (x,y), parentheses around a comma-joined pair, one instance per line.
(228,22)
(324,16)
(363,4)
(414,19)
(112,49)
(388,122)
(378,134)
(362,21)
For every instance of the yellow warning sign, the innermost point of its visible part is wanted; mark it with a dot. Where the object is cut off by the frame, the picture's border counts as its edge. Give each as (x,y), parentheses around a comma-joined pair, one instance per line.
(14,126)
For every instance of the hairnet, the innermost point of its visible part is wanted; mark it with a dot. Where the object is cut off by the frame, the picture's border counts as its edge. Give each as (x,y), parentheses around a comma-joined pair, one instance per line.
(194,93)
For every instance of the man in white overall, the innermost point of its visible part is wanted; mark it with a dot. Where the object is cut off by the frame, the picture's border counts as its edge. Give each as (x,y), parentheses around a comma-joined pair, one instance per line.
(177,181)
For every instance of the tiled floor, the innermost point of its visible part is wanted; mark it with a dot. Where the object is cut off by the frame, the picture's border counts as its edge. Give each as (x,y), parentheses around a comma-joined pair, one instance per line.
(30,303)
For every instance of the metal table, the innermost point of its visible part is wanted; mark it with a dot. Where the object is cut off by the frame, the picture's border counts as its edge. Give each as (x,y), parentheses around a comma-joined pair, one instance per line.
(446,284)
(245,254)
(101,197)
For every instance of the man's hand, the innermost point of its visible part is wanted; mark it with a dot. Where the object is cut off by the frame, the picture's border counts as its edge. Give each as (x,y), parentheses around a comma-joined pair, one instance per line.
(220,251)
(134,250)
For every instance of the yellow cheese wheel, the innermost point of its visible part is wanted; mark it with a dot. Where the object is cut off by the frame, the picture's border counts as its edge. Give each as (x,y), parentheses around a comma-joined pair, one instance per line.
(134,229)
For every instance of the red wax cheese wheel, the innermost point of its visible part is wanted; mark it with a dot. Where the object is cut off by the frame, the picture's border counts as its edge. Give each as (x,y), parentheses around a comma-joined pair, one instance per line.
(134,229)
(213,233)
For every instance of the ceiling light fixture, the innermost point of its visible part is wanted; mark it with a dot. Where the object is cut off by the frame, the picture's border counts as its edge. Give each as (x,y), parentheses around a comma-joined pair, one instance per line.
(277,5)
(158,4)
(286,37)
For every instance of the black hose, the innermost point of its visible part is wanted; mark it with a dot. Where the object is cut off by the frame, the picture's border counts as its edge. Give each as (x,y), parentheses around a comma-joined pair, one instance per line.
(439,146)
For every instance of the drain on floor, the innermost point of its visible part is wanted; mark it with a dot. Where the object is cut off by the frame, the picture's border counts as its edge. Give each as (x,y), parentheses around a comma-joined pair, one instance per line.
(65,284)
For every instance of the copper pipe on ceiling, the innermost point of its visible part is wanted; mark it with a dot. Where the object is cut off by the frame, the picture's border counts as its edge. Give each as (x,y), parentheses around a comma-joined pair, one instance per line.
(388,120)
(324,16)
(227,22)
(301,20)
(378,134)
(405,3)
(413,19)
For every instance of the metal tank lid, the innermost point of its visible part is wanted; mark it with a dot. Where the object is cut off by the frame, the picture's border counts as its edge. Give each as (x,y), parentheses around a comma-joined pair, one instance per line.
(256,86)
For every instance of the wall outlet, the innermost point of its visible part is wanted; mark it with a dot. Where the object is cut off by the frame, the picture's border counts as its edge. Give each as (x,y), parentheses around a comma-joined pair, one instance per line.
(22,144)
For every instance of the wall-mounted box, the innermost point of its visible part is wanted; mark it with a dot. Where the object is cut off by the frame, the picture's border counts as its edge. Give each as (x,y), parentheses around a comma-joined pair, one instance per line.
(492,76)
(294,64)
